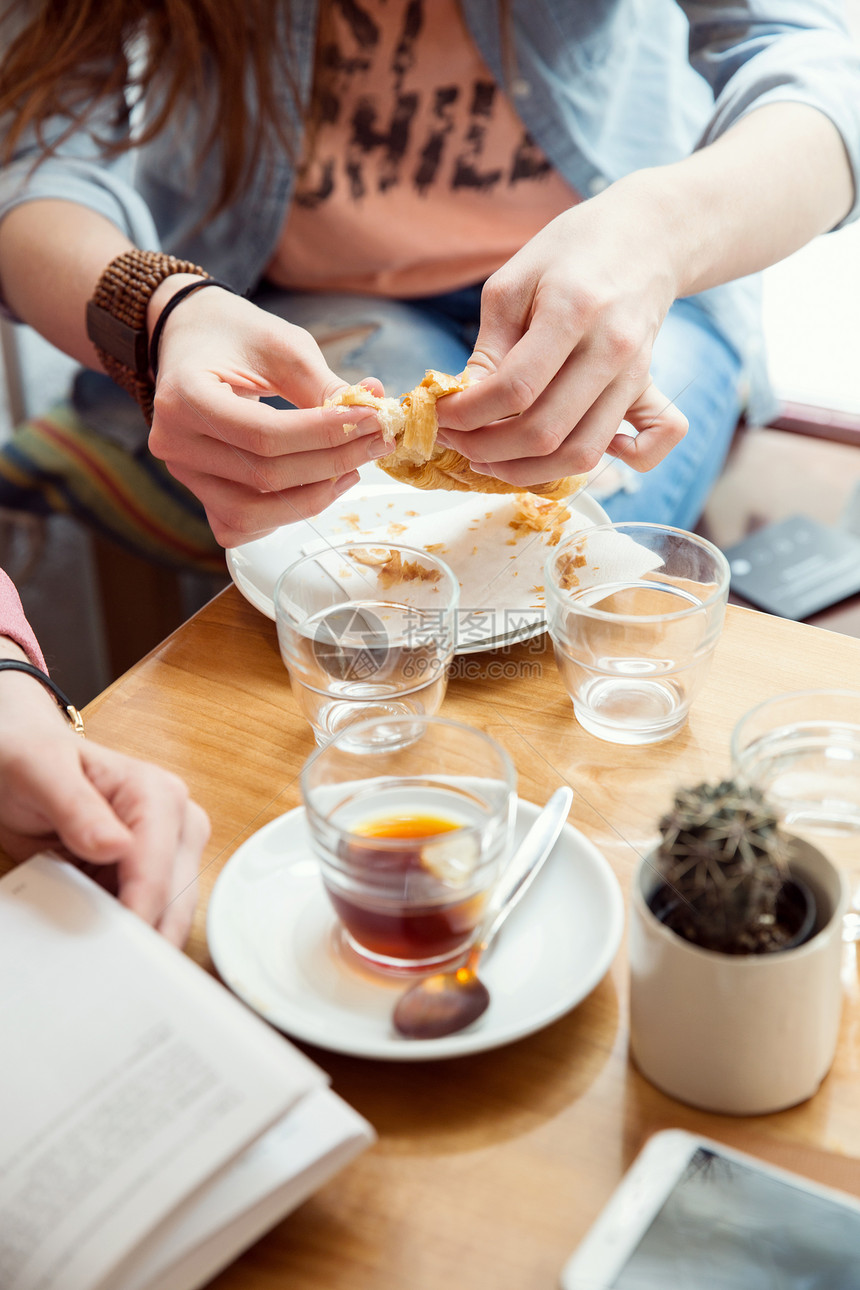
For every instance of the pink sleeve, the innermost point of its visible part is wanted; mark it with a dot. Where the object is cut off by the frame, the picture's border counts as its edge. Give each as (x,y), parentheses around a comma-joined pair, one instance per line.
(13,623)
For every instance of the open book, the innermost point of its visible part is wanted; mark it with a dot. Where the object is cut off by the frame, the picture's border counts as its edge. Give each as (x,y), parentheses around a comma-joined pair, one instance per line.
(151,1126)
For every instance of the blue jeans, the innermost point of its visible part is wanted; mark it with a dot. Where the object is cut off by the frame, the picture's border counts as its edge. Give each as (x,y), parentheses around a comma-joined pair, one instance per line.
(397,340)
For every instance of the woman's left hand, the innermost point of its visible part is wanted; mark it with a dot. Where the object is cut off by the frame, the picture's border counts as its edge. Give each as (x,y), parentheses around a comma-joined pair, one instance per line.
(564,349)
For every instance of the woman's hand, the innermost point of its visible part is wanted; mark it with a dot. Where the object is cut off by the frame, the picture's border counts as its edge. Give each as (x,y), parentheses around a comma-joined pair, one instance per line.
(58,790)
(254,468)
(564,349)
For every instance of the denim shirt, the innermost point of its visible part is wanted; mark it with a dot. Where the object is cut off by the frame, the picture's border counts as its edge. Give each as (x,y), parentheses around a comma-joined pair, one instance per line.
(604,88)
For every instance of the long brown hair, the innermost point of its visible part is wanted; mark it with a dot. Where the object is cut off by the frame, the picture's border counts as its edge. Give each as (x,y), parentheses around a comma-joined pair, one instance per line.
(72,58)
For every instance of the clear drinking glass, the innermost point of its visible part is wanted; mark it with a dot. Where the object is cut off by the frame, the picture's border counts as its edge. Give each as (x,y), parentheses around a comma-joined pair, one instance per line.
(366,631)
(411,821)
(803,750)
(635,612)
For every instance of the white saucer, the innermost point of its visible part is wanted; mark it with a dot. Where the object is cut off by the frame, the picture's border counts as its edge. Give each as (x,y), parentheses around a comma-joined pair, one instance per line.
(273,938)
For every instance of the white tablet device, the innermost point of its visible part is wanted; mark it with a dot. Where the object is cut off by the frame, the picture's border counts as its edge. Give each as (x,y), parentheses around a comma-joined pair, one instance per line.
(691,1214)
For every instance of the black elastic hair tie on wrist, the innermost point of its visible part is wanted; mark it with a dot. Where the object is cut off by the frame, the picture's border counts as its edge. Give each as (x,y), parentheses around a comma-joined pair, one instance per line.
(18,665)
(187,290)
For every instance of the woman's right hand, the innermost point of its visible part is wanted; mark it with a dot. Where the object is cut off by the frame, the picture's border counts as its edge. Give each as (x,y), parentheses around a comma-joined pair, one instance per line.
(253,467)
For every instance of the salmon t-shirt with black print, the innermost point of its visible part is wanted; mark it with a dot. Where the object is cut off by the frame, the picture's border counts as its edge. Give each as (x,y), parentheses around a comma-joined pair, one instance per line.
(421,178)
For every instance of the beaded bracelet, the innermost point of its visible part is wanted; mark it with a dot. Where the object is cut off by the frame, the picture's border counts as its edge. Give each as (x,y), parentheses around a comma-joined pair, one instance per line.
(69,709)
(116,317)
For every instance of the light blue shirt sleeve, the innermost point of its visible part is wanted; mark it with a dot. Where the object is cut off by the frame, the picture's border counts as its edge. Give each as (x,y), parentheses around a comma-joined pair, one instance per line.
(779,51)
(78,173)
(89,182)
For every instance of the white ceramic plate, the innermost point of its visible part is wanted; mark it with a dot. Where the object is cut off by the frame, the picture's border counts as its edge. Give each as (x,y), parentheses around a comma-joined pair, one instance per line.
(273,937)
(380,506)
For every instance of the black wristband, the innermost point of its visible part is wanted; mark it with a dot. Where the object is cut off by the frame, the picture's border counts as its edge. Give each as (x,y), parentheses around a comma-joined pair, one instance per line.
(18,665)
(187,290)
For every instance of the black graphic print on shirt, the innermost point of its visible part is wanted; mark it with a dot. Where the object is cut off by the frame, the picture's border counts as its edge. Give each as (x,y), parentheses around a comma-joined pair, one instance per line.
(395,129)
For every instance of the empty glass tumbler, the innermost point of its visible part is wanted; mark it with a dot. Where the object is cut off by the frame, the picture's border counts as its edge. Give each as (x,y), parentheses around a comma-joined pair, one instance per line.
(366,631)
(802,749)
(635,612)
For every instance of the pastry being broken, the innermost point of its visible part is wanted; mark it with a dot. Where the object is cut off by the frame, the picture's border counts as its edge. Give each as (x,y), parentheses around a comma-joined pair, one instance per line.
(411,425)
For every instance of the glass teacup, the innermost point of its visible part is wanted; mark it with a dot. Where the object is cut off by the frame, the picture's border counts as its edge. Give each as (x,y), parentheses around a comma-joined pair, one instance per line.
(411,825)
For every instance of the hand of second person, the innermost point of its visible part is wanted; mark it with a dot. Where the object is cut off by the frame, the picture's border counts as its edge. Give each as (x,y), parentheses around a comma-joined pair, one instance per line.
(564,349)
(253,467)
(130,820)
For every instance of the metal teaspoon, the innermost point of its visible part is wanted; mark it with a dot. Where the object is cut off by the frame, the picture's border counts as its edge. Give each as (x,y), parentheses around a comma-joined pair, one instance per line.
(449,1001)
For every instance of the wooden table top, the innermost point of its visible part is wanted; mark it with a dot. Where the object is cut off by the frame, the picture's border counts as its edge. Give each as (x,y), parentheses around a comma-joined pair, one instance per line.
(489,1167)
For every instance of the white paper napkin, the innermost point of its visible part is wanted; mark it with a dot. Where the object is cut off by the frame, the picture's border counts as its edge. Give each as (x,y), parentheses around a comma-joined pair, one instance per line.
(498,567)
(614,557)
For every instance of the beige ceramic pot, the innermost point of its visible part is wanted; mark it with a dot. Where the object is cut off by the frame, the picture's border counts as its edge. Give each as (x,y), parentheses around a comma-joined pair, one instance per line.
(737,1034)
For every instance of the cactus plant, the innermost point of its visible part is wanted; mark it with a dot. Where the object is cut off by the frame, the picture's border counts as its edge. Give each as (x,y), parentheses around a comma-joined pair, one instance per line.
(723,861)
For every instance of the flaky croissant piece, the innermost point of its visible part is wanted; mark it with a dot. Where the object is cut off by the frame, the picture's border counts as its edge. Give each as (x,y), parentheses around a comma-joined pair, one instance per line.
(411,424)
